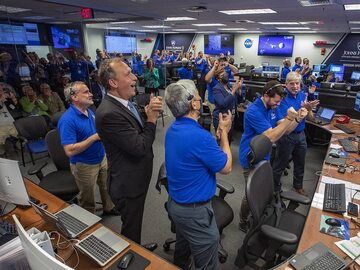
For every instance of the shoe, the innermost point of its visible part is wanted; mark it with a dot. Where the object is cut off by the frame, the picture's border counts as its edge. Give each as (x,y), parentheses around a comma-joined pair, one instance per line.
(112,212)
(150,246)
(301,191)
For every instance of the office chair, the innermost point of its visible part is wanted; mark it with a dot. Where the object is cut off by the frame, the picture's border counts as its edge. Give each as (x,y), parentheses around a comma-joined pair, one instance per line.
(141,101)
(274,229)
(31,133)
(224,214)
(61,183)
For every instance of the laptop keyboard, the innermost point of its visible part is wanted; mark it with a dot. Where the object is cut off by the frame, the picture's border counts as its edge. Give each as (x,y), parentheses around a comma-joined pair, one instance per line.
(97,248)
(72,224)
(325,261)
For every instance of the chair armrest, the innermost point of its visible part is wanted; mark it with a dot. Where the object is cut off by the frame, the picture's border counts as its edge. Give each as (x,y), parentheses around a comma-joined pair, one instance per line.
(224,186)
(295,197)
(279,235)
(37,168)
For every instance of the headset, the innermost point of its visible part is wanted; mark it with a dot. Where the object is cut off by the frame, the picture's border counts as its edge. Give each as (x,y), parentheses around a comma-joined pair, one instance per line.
(269,91)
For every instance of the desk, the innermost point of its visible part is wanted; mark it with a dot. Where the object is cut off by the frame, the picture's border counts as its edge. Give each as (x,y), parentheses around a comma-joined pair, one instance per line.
(29,218)
(311,233)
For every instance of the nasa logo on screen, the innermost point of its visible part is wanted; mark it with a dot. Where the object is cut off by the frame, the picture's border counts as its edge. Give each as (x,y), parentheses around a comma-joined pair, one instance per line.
(358,46)
(248,43)
(173,42)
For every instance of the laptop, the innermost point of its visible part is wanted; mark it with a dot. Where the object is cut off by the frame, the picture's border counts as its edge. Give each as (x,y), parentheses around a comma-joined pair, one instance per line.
(318,257)
(70,221)
(102,245)
(324,116)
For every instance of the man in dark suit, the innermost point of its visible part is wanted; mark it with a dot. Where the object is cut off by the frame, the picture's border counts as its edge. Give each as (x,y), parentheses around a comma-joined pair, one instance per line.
(128,143)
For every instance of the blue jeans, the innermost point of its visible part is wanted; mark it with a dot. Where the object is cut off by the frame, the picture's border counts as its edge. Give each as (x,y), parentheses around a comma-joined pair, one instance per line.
(196,234)
(293,145)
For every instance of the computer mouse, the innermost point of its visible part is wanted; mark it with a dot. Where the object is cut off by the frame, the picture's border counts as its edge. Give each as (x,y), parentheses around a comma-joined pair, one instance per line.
(333,222)
(43,206)
(334,155)
(125,261)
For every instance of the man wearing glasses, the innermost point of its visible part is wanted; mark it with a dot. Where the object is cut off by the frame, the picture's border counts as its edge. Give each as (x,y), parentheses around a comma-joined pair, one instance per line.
(262,117)
(82,145)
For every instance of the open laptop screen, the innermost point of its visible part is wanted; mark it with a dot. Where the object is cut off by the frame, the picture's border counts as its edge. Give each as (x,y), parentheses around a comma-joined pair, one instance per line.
(325,113)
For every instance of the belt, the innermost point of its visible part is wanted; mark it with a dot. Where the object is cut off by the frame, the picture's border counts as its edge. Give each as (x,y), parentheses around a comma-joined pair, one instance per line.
(193,205)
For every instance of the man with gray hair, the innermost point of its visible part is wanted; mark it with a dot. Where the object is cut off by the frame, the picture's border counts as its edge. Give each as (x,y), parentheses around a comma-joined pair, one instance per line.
(293,143)
(192,159)
(83,146)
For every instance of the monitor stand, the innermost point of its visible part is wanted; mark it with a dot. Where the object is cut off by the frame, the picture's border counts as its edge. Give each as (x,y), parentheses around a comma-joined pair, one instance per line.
(6,208)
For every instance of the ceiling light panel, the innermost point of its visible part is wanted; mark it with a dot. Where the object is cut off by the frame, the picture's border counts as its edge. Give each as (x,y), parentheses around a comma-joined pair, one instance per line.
(12,9)
(352,7)
(156,26)
(122,22)
(232,29)
(248,11)
(208,24)
(293,28)
(171,19)
(279,23)
(184,30)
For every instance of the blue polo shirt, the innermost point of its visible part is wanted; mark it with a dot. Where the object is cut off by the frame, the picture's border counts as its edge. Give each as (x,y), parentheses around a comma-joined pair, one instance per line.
(74,127)
(185,73)
(192,159)
(296,103)
(200,66)
(210,87)
(296,66)
(257,119)
(78,70)
(284,72)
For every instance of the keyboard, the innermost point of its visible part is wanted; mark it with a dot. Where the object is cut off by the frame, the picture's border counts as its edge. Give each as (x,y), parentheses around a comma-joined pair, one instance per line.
(348,145)
(97,248)
(72,224)
(326,261)
(334,198)
(7,228)
(345,128)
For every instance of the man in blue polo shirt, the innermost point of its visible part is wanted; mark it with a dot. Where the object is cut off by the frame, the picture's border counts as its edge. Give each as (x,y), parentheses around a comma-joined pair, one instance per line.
(294,143)
(286,69)
(83,146)
(262,117)
(185,72)
(192,159)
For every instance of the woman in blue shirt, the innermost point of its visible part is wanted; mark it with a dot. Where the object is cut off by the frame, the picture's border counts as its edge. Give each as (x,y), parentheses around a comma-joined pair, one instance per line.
(225,97)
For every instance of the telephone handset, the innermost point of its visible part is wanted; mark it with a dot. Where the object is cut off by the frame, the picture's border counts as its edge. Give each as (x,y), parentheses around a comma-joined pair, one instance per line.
(343,119)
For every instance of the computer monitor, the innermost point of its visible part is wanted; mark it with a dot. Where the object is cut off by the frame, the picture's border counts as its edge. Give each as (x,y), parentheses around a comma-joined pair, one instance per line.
(24,71)
(336,68)
(326,85)
(271,69)
(319,68)
(339,86)
(357,102)
(12,186)
(355,76)
(35,255)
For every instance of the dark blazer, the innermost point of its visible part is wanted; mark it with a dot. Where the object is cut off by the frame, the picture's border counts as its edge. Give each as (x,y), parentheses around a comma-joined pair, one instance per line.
(128,147)
(224,101)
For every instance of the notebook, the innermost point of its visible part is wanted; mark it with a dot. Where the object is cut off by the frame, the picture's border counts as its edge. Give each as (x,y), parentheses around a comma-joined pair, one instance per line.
(71,221)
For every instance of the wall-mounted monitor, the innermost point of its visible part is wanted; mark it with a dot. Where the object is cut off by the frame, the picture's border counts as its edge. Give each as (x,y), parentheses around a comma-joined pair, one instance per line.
(32,33)
(66,37)
(319,68)
(271,45)
(120,44)
(216,44)
(355,76)
(19,34)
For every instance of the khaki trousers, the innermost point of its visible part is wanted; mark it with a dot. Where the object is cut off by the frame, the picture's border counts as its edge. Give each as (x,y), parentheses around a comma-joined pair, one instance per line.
(6,132)
(86,178)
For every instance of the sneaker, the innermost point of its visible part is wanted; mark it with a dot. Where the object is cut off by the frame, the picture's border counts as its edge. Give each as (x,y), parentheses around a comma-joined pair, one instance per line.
(301,191)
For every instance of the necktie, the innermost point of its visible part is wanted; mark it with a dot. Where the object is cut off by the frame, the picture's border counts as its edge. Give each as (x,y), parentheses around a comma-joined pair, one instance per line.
(134,112)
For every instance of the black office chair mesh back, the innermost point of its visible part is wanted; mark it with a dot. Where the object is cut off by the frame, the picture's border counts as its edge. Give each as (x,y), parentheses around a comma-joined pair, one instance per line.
(56,151)
(32,128)
(259,189)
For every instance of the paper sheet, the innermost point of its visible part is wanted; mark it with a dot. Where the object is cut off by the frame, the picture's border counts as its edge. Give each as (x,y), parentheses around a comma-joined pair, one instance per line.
(318,201)
(350,247)
(337,131)
(335,146)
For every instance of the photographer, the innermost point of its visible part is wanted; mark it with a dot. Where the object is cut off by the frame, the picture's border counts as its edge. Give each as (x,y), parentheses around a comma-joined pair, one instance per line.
(185,72)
